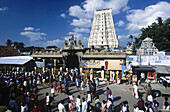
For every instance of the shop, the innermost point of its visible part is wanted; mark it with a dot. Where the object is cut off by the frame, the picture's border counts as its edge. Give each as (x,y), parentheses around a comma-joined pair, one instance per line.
(149,72)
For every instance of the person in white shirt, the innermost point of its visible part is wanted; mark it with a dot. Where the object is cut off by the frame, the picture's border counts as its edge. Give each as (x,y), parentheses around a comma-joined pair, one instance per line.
(78,103)
(47,102)
(84,105)
(24,107)
(82,87)
(89,100)
(135,89)
(61,107)
(150,98)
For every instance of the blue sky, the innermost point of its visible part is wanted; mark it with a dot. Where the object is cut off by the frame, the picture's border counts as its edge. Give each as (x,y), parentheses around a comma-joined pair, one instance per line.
(51,22)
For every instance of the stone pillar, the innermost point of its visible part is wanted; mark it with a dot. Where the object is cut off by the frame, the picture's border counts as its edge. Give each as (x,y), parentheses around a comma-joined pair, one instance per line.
(44,65)
(55,63)
(111,78)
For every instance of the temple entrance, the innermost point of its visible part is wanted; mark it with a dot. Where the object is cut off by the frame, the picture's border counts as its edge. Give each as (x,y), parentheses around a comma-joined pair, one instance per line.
(72,61)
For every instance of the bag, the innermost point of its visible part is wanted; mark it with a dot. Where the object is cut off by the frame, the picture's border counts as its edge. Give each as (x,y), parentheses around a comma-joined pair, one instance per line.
(133,93)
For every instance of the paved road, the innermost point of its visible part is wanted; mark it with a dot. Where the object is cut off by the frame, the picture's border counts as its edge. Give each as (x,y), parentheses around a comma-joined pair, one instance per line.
(120,93)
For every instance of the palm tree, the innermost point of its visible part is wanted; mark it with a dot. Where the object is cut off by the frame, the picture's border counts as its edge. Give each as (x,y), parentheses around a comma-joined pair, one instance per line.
(131,37)
(8,42)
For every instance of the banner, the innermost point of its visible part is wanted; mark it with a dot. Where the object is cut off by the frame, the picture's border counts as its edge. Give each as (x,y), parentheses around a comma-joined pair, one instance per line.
(91,64)
(114,64)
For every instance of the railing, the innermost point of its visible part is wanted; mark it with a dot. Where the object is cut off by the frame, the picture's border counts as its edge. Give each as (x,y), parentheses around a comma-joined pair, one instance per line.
(89,53)
(105,53)
(46,53)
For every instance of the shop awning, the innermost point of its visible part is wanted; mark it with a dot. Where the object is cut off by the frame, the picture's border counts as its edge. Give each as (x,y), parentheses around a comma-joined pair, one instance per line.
(143,69)
(162,69)
(15,60)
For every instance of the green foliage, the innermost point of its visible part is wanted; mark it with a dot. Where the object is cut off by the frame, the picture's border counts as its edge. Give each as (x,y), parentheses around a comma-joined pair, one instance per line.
(159,32)
(8,42)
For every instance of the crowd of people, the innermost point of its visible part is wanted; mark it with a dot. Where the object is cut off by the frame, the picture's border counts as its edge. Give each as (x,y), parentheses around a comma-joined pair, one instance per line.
(19,92)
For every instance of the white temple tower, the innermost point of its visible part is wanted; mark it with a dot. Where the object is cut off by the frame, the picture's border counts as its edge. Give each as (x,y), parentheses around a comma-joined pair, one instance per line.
(103,31)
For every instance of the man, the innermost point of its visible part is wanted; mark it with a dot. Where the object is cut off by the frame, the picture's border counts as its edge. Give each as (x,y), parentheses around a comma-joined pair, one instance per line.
(142,77)
(78,103)
(47,102)
(61,107)
(84,105)
(89,100)
(97,104)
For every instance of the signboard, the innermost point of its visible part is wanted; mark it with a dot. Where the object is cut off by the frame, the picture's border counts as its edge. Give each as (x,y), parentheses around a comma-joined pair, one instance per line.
(158,59)
(91,64)
(114,64)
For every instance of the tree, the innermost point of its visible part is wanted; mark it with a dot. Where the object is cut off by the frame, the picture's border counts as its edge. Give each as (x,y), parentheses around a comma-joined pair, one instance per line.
(159,32)
(8,42)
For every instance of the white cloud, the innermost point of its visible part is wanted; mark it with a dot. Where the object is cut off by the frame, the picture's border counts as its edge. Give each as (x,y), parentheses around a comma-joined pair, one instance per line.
(34,36)
(142,18)
(126,8)
(63,15)
(3,8)
(28,28)
(120,23)
(81,22)
(57,42)
(83,30)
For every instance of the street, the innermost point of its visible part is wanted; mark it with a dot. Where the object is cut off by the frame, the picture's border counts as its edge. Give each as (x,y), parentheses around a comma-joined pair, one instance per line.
(120,93)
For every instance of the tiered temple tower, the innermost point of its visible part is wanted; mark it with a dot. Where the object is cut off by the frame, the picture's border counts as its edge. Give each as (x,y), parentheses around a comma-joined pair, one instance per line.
(103,31)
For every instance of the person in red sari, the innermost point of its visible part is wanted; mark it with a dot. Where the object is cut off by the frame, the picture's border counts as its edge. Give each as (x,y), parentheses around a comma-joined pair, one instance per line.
(59,88)
(55,85)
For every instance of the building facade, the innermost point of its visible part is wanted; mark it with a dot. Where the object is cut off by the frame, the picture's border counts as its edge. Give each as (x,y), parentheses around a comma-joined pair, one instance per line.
(147,47)
(103,33)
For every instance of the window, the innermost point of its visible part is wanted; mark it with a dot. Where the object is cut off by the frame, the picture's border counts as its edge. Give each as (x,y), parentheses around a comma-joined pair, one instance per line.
(102,37)
(102,42)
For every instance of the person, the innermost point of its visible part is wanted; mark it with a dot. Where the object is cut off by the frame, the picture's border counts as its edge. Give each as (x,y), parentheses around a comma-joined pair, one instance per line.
(142,77)
(97,104)
(37,108)
(82,87)
(77,83)
(13,104)
(47,103)
(84,105)
(24,107)
(148,108)
(155,106)
(123,107)
(140,104)
(89,100)
(111,97)
(108,92)
(88,86)
(97,82)
(166,100)
(71,99)
(70,106)
(135,90)
(52,92)
(108,80)
(55,85)
(60,88)
(150,98)
(91,76)
(109,105)
(61,107)
(148,90)
(104,106)
(78,103)
(166,106)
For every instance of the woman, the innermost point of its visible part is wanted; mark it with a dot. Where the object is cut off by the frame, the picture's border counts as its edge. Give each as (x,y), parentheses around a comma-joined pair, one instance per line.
(135,90)
(60,88)
(104,106)
(108,92)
